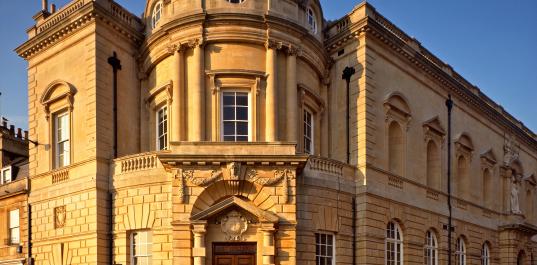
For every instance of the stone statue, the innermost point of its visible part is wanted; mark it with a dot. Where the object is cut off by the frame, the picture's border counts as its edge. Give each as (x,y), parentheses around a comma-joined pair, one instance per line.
(510,149)
(515,183)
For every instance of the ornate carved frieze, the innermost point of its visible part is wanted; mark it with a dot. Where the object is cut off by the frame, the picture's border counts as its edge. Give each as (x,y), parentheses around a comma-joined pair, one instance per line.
(59,216)
(234,173)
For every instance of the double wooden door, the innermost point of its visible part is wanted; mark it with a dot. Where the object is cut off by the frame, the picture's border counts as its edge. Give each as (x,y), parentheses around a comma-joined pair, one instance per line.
(234,259)
(234,253)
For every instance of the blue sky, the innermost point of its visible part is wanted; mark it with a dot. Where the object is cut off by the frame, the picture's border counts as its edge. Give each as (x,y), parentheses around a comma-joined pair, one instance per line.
(492,43)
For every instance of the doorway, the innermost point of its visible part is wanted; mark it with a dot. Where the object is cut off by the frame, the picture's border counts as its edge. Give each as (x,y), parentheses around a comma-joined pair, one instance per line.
(234,253)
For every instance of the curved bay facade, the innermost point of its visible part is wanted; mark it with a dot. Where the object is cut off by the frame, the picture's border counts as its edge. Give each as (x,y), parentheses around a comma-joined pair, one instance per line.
(218,132)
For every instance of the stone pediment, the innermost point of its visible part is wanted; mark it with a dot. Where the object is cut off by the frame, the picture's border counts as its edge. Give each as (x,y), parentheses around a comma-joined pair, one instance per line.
(489,157)
(531,179)
(232,202)
(433,125)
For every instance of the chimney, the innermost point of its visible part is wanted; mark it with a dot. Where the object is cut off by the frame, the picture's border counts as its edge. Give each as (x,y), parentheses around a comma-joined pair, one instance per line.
(19,133)
(44,5)
(4,124)
(12,129)
(26,135)
(52,8)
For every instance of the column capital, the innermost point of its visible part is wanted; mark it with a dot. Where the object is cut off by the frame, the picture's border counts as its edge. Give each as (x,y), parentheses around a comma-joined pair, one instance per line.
(275,45)
(267,227)
(199,227)
(193,43)
(293,50)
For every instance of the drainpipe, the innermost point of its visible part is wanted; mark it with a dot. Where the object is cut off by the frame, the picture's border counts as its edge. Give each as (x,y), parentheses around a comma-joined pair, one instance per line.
(449,105)
(354,229)
(30,260)
(116,65)
(347,73)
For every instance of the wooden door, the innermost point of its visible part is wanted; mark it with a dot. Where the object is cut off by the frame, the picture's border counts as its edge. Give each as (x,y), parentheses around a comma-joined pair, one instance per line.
(234,253)
(234,260)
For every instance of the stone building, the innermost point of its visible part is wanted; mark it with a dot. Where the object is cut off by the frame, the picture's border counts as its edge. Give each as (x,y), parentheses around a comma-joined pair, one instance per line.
(13,194)
(217,132)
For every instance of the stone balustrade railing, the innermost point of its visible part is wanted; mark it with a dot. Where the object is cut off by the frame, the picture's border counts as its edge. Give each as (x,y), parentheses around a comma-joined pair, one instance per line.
(116,10)
(61,14)
(60,176)
(326,165)
(136,162)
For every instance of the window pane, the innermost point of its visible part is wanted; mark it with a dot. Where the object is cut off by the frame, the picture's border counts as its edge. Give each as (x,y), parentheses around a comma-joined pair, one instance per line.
(229,113)
(242,128)
(242,138)
(14,236)
(14,218)
(229,128)
(242,99)
(229,138)
(229,98)
(242,113)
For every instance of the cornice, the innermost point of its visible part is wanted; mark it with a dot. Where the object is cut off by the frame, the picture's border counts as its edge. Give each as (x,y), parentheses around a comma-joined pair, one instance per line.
(51,32)
(412,51)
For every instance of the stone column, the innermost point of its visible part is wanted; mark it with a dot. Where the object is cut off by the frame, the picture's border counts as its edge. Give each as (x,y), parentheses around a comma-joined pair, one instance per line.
(271,114)
(268,243)
(198,251)
(178,96)
(196,94)
(292,108)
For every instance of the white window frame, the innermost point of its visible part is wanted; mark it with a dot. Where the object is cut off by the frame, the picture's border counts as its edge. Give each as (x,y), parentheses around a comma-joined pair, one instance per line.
(10,178)
(485,254)
(164,134)
(394,239)
(310,137)
(319,245)
(157,9)
(14,227)
(239,1)
(57,141)
(311,20)
(460,251)
(430,249)
(250,107)
(148,244)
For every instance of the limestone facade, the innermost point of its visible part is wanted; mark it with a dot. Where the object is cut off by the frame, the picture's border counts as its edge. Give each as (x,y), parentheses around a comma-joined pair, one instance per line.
(140,161)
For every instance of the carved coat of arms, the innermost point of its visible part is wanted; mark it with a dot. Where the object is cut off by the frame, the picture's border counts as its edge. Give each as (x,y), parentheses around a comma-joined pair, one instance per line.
(234,225)
(59,216)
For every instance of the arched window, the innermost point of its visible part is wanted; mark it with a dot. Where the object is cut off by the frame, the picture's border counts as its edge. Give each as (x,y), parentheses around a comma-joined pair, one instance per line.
(156,15)
(395,148)
(433,165)
(462,176)
(485,254)
(460,252)
(394,244)
(312,21)
(430,249)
